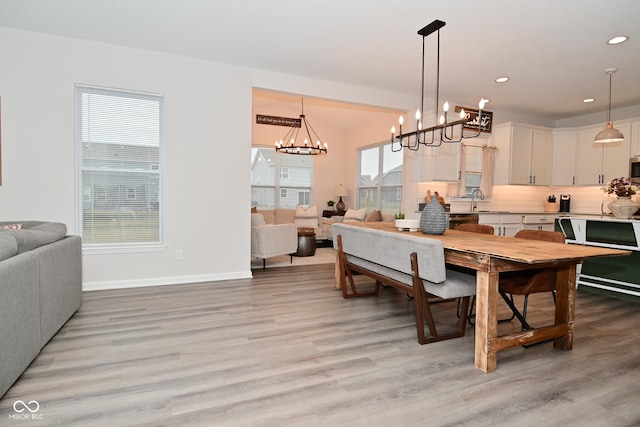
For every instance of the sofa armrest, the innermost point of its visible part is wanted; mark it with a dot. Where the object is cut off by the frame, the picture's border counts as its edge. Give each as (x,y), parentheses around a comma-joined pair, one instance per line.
(273,240)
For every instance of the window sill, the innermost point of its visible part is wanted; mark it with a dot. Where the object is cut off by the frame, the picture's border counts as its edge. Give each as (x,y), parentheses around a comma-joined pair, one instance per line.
(100,249)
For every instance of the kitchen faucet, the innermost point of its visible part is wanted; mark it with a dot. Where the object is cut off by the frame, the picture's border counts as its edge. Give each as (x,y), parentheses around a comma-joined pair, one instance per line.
(474,193)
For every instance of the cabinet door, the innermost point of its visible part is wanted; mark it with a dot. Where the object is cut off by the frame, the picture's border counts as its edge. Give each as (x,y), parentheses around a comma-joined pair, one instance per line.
(510,230)
(600,163)
(541,157)
(492,220)
(521,140)
(616,155)
(635,139)
(446,163)
(590,158)
(563,171)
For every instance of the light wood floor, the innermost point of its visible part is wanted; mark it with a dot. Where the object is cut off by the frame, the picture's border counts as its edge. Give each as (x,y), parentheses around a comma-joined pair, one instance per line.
(285,349)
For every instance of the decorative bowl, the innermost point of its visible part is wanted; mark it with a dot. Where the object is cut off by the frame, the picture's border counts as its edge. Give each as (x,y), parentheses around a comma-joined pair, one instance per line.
(408,224)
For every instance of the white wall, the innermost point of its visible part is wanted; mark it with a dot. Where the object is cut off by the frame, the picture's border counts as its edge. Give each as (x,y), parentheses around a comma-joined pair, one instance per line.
(208,118)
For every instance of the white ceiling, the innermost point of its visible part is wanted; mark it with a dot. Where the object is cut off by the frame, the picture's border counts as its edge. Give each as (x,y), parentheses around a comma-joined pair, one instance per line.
(554,51)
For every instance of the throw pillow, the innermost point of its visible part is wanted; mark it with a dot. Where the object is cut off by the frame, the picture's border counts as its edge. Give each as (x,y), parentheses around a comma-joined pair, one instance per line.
(306,218)
(374,216)
(11,227)
(257,220)
(355,215)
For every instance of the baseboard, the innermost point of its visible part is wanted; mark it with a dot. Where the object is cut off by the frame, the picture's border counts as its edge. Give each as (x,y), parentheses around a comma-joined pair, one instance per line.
(164,281)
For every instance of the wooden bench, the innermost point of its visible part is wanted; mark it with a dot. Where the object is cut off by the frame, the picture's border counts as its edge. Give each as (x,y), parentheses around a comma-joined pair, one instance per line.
(412,263)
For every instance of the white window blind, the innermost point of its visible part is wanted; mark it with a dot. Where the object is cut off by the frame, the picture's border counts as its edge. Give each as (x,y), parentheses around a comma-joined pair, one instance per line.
(119,140)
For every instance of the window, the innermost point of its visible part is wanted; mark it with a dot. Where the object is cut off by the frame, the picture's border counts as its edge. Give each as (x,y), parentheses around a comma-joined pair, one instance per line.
(118,138)
(292,182)
(380,185)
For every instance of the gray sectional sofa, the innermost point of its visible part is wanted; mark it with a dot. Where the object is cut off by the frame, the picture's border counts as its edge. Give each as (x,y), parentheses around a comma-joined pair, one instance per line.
(40,289)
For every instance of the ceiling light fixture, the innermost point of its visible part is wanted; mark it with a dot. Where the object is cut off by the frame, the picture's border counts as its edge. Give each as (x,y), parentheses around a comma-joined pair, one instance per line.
(308,148)
(609,133)
(502,79)
(446,131)
(588,100)
(618,40)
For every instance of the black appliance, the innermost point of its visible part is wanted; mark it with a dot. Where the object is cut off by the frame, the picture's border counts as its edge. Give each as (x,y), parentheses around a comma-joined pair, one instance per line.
(565,202)
(634,170)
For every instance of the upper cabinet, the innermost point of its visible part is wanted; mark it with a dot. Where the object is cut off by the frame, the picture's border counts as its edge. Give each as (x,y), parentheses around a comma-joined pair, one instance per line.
(578,160)
(599,163)
(635,139)
(524,154)
(435,163)
(563,166)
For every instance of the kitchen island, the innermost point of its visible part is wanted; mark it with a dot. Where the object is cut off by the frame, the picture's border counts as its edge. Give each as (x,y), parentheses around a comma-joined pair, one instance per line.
(617,276)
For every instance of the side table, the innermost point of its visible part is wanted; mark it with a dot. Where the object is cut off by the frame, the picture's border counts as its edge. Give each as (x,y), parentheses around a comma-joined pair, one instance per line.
(329,214)
(306,242)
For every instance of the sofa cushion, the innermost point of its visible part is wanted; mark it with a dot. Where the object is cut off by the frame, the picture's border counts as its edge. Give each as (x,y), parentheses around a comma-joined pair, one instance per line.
(257,220)
(283,216)
(269,216)
(43,233)
(355,215)
(306,217)
(374,216)
(8,246)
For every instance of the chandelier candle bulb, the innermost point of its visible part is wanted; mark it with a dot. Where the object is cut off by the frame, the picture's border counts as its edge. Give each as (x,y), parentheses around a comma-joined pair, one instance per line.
(444,131)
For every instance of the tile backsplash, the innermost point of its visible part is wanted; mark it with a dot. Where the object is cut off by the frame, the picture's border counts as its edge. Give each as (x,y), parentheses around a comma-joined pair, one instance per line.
(520,198)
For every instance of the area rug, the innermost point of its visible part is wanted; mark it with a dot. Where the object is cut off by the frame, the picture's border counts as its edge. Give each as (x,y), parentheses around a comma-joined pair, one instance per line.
(322,256)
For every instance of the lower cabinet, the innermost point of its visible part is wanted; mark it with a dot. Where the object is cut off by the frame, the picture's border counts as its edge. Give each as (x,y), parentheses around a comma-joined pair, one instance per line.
(503,224)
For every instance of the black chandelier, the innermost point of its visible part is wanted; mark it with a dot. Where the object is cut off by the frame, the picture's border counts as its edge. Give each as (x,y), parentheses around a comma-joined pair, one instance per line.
(305,148)
(445,131)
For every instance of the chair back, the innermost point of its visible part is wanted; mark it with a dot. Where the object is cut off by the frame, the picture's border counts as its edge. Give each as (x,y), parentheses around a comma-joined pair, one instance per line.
(476,228)
(532,281)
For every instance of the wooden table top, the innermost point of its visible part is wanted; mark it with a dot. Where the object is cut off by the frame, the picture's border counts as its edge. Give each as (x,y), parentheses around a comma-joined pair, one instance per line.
(508,248)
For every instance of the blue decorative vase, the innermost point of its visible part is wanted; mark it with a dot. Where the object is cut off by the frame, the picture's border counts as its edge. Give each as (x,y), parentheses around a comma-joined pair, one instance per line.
(433,219)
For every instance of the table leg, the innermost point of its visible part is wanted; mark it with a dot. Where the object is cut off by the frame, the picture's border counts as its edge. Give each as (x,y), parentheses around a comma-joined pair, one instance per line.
(565,304)
(486,319)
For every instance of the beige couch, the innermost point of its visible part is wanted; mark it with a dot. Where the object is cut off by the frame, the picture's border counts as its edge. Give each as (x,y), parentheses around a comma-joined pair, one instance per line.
(312,217)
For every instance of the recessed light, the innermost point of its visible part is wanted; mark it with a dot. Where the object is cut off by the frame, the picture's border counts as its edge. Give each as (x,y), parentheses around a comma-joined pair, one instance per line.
(618,40)
(588,100)
(502,79)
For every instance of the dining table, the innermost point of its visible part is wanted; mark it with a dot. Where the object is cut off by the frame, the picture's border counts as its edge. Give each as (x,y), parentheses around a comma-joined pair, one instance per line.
(491,255)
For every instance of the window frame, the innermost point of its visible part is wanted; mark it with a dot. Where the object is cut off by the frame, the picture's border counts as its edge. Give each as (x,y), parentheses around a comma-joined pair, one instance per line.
(280,189)
(155,168)
(376,190)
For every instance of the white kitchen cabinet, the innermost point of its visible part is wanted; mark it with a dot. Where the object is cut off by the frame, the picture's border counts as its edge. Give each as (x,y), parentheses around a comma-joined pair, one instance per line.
(544,222)
(524,155)
(564,152)
(503,224)
(599,163)
(635,139)
(434,163)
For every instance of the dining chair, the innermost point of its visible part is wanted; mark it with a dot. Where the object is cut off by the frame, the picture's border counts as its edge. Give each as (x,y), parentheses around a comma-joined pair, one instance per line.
(528,282)
(476,228)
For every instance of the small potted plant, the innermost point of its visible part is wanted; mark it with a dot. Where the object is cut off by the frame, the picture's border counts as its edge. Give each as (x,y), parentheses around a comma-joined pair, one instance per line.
(330,203)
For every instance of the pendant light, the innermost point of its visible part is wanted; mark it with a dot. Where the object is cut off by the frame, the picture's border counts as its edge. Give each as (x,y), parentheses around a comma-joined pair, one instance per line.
(609,133)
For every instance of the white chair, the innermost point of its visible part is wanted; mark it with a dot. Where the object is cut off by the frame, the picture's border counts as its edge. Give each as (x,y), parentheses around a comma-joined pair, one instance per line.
(269,240)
